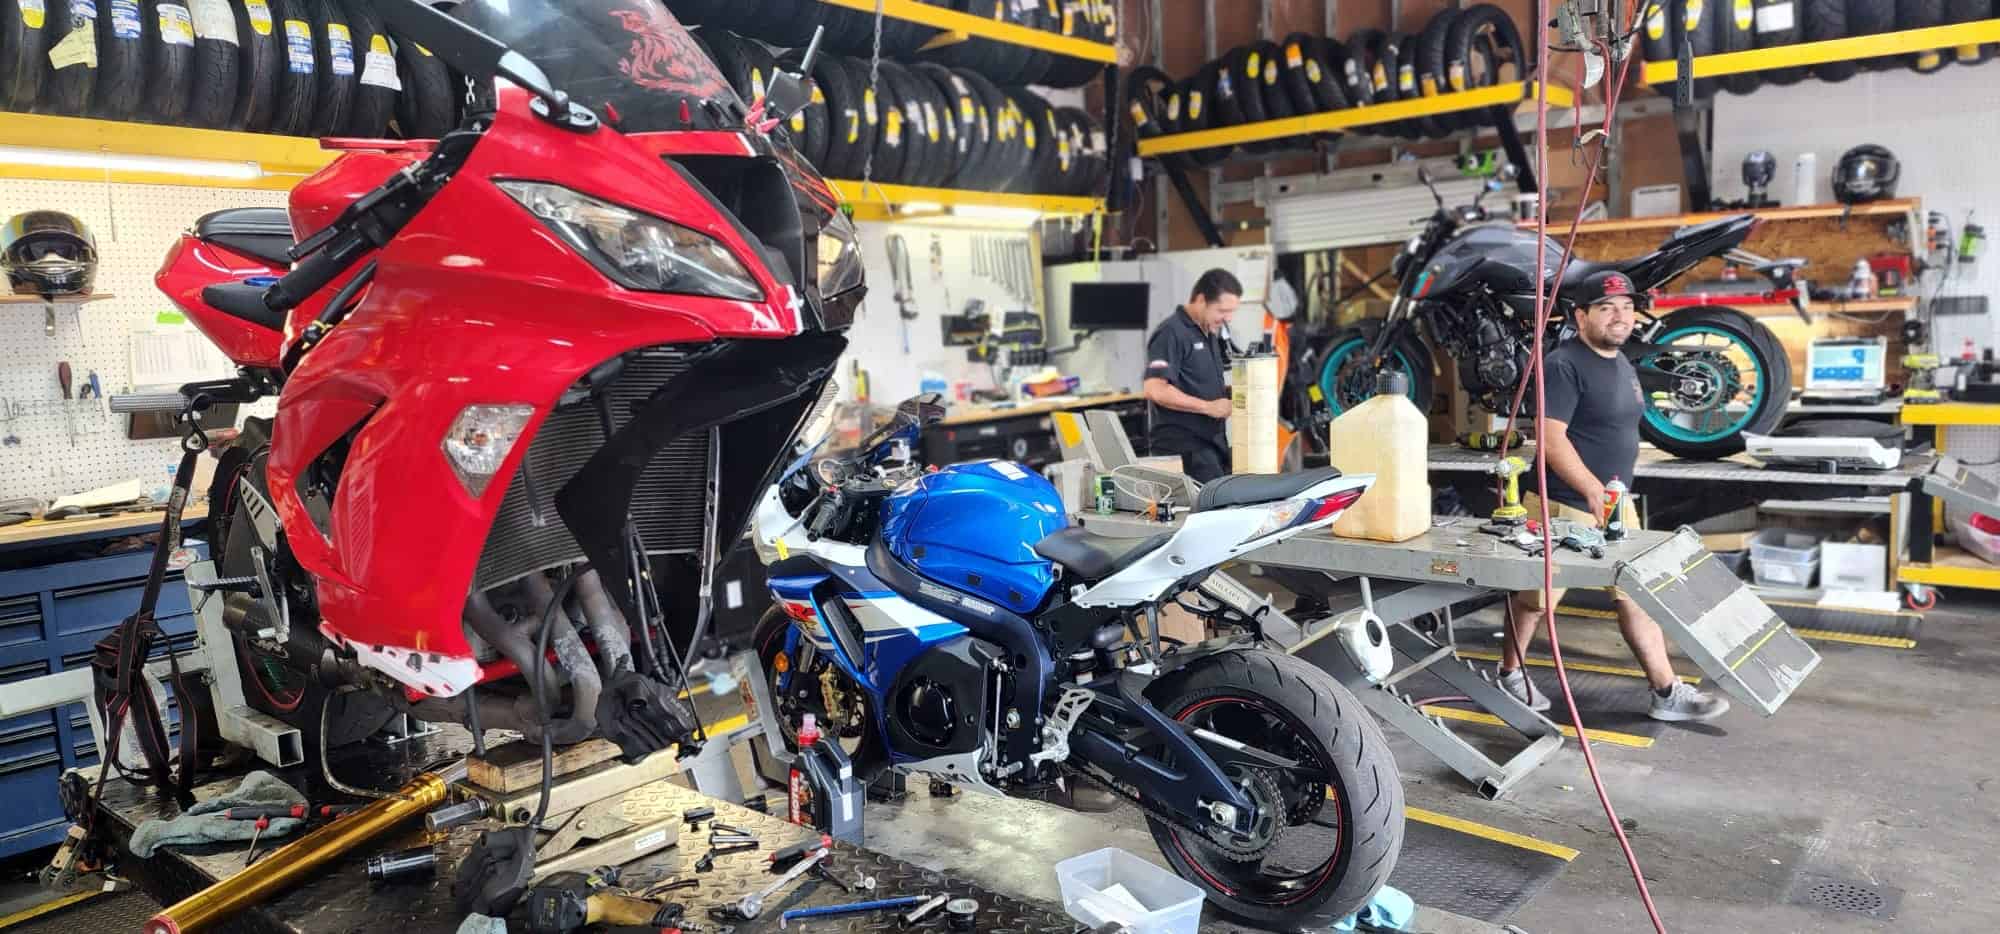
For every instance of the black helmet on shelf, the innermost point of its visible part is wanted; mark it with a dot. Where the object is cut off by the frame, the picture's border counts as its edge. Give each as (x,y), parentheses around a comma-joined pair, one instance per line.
(48,253)
(1866,173)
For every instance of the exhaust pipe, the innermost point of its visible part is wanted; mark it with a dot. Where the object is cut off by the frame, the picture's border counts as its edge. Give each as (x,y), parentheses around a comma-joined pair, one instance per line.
(607,625)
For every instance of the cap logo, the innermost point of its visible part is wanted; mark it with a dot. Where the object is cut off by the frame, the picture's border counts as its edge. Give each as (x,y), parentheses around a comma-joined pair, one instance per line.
(1617,285)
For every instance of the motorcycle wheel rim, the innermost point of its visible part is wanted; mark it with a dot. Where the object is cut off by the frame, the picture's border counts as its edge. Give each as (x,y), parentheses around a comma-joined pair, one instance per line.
(1357,391)
(1249,881)
(1666,421)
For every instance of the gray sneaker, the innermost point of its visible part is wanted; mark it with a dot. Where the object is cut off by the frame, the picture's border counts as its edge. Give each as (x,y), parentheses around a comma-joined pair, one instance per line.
(1522,688)
(1686,703)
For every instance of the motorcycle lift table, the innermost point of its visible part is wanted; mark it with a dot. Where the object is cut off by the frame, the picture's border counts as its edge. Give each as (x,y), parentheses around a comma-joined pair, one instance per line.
(1711,614)
(341,900)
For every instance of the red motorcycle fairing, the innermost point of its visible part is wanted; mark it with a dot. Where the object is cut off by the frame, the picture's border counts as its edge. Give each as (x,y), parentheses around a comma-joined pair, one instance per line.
(475,302)
(192,265)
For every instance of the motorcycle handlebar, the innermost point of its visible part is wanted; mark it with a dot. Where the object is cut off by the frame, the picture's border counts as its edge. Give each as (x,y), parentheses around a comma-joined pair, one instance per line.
(315,271)
(143,402)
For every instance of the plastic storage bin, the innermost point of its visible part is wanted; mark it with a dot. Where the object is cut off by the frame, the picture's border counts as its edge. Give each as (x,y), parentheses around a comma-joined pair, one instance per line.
(1782,557)
(1171,904)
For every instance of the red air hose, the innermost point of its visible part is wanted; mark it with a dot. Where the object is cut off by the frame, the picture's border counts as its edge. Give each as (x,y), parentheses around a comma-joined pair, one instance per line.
(1543,291)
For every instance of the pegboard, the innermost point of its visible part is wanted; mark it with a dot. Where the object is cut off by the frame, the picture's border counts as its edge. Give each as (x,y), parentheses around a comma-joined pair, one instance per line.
(134,226)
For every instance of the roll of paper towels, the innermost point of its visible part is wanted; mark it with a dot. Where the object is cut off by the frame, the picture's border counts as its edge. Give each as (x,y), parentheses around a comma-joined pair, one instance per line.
(1805,179)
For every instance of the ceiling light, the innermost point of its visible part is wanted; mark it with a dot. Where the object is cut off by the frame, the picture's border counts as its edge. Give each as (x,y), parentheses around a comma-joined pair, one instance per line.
(122,162)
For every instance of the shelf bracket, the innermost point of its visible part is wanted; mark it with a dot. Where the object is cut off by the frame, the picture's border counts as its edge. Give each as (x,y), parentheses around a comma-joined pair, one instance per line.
(1688,126)
(1191,199)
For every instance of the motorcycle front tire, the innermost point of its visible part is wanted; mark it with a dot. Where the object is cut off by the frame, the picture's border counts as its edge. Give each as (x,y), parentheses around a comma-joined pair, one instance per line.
(1777,373)
(1330,725)
(868,753)
(1408,348)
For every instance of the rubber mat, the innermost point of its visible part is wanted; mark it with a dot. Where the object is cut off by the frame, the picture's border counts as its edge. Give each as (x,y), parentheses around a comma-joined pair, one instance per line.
(124,911)
(1470,875)
(1883,628)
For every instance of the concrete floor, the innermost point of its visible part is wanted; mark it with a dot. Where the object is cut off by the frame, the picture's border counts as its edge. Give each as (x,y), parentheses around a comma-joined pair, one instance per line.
(1881,771)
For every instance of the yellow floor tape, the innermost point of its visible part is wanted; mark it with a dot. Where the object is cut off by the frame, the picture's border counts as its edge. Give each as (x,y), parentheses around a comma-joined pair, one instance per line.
(1495,834)
(1573,666)
(1612,737)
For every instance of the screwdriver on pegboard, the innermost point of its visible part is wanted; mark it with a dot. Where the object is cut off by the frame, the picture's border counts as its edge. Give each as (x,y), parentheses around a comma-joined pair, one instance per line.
(64,382)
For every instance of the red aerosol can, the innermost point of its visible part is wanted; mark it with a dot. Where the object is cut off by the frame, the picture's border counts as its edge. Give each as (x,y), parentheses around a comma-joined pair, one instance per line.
(798,808)
(1614,512)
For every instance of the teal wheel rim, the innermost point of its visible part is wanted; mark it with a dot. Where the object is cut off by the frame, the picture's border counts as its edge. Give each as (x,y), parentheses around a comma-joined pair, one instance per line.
(1356,384)
(1718,421)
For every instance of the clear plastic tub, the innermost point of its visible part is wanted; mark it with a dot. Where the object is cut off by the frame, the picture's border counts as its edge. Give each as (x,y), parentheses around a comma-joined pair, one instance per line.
(1170,905)
(1785,558)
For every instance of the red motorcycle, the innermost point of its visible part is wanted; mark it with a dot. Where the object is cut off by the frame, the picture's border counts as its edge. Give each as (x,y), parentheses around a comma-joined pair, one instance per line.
(528,376)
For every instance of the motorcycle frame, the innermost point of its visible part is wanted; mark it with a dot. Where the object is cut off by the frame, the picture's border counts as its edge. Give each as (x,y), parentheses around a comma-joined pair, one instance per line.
(498,312)
(901,619)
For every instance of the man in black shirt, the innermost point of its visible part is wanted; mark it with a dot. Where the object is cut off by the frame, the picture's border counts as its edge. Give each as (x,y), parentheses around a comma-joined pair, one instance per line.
(1593,405)
(1185,378)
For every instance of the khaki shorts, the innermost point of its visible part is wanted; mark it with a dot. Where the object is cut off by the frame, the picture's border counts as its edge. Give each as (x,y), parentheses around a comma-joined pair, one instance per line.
(1558,510)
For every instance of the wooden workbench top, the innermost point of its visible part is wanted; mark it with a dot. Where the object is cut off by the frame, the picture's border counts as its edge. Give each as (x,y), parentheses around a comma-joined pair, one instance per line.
(970,414)
(40,531)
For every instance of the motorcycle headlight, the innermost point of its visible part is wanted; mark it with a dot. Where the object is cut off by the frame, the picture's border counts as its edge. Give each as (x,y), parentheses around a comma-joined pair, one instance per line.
(839,252)
(637,251)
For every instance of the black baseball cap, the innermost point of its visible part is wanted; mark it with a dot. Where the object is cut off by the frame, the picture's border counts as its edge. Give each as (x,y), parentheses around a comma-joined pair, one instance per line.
(1609,283)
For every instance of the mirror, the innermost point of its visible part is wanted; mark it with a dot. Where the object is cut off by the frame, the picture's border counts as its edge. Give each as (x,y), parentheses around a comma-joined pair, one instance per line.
(1508,172)
(468,50)
(789,93)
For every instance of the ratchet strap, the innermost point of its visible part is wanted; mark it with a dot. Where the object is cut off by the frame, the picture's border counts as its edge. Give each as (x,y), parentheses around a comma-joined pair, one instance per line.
(118,668)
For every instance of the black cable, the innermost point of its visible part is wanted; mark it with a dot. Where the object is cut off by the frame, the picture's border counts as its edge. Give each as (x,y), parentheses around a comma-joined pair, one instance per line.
(541,695)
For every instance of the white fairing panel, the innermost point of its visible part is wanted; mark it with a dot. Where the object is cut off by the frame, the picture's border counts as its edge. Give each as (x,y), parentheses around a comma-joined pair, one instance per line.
(1207,539)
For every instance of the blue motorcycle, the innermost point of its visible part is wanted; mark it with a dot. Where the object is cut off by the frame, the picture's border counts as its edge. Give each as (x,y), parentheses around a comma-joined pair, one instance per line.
(953,622)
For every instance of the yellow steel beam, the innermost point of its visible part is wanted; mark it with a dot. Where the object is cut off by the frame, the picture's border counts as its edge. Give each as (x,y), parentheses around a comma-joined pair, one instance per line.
(1330,121)
(1831,50)
(1952,413)
(881,201)
(280,161)
(1945,575)
(981,27)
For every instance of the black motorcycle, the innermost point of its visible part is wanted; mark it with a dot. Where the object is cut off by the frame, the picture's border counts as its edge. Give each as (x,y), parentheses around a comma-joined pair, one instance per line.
(1710,373)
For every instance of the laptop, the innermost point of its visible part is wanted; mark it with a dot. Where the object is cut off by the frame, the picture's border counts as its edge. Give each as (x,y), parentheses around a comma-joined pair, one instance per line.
(1846,370)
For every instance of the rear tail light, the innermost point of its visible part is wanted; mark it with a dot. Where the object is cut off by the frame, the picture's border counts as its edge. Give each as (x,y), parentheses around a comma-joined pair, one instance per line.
(1333,504)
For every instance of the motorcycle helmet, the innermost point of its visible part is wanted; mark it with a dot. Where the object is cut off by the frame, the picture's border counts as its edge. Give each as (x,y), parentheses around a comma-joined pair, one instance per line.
(1866,173)
(48,253)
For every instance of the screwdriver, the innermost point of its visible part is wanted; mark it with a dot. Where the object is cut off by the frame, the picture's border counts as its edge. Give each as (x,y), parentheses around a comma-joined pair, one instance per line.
(251,854)
(64,383)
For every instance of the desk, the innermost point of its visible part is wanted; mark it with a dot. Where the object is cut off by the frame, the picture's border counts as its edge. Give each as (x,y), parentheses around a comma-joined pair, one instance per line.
(1022,432)
(38,533)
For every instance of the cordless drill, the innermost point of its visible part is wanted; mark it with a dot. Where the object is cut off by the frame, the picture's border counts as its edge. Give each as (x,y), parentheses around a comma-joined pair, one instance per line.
(568,901)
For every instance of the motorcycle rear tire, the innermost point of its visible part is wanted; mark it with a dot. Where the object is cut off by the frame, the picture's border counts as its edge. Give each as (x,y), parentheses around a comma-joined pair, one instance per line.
(218,66)
(169,62)
(333,48)
(1367,794)
(425,109)
(297,81)
(121,59)
(263,45)
(375,93)
(1777,374)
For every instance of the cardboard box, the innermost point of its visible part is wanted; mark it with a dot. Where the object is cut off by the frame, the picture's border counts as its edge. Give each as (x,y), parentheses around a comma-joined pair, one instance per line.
(1727,541)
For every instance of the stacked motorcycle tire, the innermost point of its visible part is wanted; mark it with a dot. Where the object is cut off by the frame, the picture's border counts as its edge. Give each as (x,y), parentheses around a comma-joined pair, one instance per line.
(1712,27)
(790,24)
(1456,50)
(922,123)
(291,67)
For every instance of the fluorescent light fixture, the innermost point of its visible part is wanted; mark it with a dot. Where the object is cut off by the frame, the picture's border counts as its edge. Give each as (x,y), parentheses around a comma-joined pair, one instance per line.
(1022,216)
(123,162)
(920,207)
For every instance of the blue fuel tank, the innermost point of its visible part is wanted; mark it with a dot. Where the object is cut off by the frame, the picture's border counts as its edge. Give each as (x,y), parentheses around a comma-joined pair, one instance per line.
(973,527)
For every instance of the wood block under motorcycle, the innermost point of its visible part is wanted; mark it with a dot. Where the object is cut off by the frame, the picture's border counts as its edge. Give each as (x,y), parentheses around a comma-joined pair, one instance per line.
(516,765)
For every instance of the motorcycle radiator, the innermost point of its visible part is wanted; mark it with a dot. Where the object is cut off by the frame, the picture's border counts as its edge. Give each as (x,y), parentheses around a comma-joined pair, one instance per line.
(667,506)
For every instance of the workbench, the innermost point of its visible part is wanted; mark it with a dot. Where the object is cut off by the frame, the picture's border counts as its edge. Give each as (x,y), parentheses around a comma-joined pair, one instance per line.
(1745,647)
(1021,432)
(44,533)
(340,899)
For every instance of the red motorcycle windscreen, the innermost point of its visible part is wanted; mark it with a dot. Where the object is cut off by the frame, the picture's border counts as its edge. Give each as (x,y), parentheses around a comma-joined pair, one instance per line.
(630,54)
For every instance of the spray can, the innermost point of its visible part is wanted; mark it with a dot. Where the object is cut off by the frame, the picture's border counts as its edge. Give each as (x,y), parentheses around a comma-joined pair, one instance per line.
(1614,511)
(798,807)
(1104,494)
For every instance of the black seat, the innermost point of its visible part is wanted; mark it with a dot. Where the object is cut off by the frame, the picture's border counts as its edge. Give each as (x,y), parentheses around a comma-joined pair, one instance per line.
(1252,488)
(1094,557)
(245,301)
(264,233)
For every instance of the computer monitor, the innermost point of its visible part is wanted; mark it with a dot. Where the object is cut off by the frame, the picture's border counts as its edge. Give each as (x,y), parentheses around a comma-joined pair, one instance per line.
(1109,306)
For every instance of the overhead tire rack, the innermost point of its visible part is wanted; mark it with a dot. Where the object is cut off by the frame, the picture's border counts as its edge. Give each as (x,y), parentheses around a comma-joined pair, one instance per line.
(1831,50)
(959,26)
(1494,106)
(877,201)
